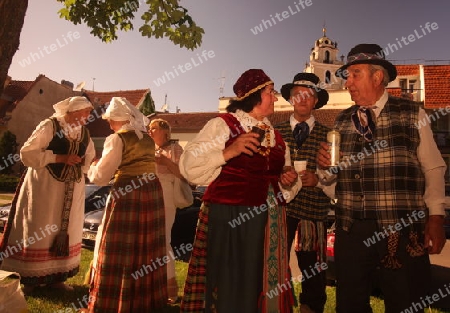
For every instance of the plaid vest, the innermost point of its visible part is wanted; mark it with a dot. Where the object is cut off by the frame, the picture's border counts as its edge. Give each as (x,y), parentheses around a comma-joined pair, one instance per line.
(381,179)
(310,203)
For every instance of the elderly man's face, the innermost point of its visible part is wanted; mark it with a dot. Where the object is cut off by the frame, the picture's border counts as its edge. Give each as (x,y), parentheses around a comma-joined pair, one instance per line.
(304,100)
(78,117)
(364,87)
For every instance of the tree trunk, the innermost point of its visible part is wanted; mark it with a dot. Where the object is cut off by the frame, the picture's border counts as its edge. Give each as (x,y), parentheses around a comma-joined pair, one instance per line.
(12,15)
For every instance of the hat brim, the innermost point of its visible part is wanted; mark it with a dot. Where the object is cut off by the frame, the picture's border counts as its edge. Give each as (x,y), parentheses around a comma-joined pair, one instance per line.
(322,94)
(390,68)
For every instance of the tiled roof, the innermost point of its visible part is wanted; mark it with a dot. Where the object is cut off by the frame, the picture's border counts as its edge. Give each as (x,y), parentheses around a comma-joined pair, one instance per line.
(406,70)
(16,90)
(186,122)
(134,96)
(395,91)
(437,86)
(193,122)
(99,127)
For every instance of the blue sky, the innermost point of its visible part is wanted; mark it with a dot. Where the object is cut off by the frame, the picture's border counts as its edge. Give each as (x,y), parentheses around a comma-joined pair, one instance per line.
(236,39)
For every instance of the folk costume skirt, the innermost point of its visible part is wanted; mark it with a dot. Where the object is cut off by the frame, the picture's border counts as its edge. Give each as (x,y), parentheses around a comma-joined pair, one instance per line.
(238,262)
(129,274)
(33,224)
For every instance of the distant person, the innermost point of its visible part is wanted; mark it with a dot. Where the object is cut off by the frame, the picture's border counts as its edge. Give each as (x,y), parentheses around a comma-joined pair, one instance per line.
(389,188)
(168,154)
(240,252)
(307,212)
(43,234)
(128,274)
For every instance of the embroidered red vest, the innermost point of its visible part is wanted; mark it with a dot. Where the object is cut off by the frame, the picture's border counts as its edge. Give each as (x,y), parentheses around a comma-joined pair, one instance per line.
(245,179)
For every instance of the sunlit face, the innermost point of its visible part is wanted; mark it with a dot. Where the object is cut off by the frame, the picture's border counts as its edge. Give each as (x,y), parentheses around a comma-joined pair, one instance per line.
(362,84)
(78,117)
(159,135)
(266,107)
(303,99)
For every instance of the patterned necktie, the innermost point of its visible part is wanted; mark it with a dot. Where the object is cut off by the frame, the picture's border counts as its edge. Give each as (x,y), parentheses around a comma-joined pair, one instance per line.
(363,122)
(301,132)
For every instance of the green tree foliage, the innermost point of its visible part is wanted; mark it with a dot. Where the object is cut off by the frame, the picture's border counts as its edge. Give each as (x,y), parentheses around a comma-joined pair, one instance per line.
(161,19)
(148,105)
(8,149)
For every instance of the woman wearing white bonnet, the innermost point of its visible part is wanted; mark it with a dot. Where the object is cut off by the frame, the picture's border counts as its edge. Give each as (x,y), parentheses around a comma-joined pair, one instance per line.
(49,202)
(133,233)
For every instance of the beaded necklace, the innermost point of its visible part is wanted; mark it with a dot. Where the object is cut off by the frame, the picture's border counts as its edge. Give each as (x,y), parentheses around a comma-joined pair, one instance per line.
(266,151)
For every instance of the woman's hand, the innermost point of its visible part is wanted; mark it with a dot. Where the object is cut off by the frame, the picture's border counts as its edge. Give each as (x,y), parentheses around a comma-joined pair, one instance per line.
(69,159)
(245,143)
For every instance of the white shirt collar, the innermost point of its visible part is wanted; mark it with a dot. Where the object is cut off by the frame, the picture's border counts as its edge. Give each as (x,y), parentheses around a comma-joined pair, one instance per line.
(310,121)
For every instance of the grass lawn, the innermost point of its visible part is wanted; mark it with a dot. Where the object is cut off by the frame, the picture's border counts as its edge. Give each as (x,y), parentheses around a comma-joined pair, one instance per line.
(53,301)
(7,197)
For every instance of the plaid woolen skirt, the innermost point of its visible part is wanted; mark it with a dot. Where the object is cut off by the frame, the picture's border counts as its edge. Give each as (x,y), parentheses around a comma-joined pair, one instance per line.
(129,274)
(241,268)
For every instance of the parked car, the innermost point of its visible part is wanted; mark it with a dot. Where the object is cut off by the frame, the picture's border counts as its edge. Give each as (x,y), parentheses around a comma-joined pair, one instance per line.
(95,197)
(447,223)
(91,223)
(183,229)
(4,213)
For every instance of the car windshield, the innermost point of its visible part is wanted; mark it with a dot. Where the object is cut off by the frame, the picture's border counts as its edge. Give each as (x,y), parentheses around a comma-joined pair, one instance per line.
(90,189)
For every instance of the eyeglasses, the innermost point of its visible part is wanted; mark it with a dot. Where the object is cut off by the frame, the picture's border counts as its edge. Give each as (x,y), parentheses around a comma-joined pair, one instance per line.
(270,91)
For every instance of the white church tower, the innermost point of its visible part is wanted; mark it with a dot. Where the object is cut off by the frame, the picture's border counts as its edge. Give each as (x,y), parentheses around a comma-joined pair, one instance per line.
(324,62)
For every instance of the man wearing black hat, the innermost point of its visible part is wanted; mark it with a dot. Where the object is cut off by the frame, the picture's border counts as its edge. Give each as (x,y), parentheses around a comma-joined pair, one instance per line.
(307,213)
(389,189)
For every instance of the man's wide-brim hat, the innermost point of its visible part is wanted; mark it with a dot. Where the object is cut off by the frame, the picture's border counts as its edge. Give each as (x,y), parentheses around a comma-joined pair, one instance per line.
(249,82)
(367,53)
(308,80)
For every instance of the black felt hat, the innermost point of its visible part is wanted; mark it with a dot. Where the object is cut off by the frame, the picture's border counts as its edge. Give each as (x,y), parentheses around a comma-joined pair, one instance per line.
(308,80)
(368,53)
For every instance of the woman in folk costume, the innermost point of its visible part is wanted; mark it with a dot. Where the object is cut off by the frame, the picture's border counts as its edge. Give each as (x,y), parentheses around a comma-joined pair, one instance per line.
(127,276)
(43,235)
(168,156)
(240,254)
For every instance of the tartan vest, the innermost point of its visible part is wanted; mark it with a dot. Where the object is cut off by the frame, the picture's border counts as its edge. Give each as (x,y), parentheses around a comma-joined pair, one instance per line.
(138,157)
(310,203)
(244,180)
(60,144)
(381,179)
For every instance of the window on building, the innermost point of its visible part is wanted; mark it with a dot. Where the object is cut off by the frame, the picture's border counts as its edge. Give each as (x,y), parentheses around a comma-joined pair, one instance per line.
(327,57)
(327,77)
(412,86)
(403,84)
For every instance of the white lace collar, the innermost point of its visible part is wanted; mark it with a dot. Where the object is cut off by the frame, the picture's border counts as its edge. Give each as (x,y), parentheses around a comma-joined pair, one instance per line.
(248,122)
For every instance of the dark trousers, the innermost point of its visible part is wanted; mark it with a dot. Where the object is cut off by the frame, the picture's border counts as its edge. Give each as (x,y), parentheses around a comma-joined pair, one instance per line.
(358,266)
(313,286)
